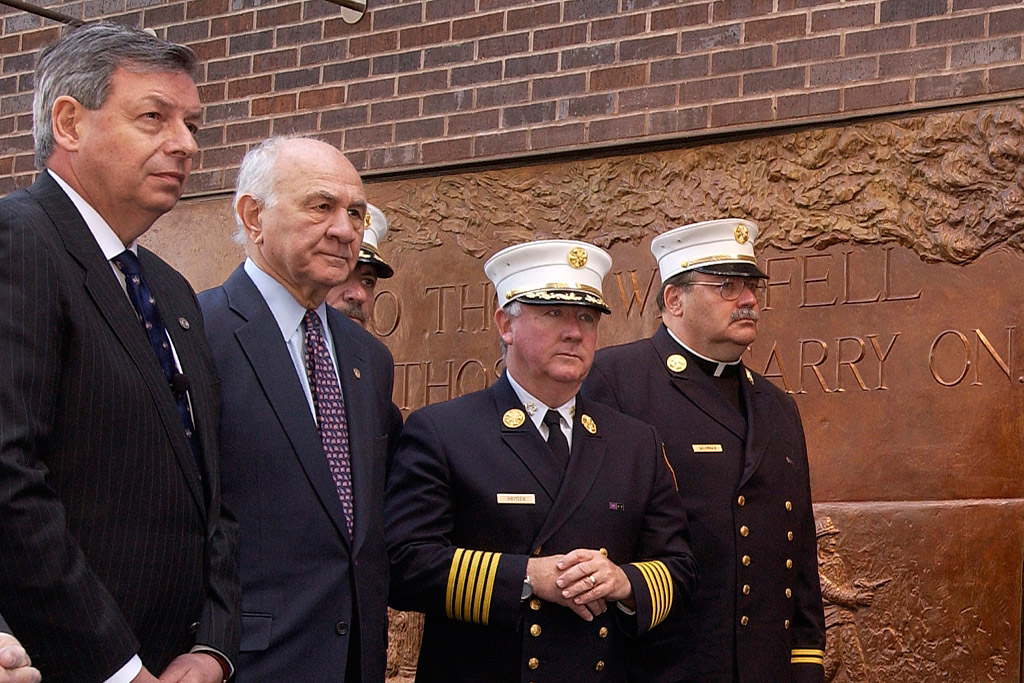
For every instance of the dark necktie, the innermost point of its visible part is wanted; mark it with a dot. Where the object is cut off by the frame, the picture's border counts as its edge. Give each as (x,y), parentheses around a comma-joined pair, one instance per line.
(330,411)
(556,439)
(145,306)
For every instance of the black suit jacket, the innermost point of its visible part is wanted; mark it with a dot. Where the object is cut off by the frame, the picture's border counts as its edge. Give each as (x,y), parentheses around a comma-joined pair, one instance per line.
(473,494)
(111,542)
(745,487)
(309,592)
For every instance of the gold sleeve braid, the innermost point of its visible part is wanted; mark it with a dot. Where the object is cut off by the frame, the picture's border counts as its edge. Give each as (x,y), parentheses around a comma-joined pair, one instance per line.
(659,585)
(807,656)
(470,585)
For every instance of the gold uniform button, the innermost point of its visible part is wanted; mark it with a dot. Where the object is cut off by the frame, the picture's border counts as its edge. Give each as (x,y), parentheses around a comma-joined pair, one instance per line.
(535,604)
(536,551)
(533,663)
(787,623)
(602,632)
(789,505)
(744,531)
(789,535)
(746,589)
(789,564)
(741,501)
(746,560)
(744,620)
(599,666)
(604,551)
(789,593)
(535,630)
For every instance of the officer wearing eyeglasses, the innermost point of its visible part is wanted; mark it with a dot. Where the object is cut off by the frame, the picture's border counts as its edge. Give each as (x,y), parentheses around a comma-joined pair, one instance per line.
(737,447)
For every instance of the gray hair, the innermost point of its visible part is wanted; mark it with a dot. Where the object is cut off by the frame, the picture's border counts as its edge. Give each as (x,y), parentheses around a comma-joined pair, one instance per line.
(256,177)
(513,309)
(677,280)
(81,65)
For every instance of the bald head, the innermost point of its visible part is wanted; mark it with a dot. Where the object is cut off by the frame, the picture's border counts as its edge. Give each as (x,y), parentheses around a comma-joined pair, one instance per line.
(300,209)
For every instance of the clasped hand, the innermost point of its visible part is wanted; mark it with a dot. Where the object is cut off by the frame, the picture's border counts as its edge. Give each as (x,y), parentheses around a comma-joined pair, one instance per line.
(583,580)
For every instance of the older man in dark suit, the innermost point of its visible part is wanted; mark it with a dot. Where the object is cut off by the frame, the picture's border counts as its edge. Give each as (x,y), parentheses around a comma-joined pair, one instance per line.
(115,561)
(306,422)
(737,447)
(519,514)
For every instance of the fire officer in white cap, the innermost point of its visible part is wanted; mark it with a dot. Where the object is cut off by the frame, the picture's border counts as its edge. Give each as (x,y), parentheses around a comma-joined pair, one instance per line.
(536,530)
(737,447)
(354,296)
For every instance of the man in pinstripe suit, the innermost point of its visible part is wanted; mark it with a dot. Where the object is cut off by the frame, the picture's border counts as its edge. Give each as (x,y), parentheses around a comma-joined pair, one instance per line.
(535,561)
(115,561)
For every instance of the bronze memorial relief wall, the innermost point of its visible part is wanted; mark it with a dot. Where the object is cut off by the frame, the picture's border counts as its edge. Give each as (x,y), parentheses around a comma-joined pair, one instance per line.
(894,250)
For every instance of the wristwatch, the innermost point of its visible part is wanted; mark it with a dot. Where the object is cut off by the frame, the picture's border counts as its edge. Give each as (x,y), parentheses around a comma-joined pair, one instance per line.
(527,589)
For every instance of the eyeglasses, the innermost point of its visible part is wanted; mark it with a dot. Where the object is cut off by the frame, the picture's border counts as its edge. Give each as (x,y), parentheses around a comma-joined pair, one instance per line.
(731,287)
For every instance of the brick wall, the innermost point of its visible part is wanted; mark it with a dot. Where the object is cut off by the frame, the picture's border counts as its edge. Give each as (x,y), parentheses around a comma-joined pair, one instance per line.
(425,83)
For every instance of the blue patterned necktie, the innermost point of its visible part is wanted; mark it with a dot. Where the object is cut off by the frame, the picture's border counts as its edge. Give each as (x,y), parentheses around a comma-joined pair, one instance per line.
(145,306)
(330,411)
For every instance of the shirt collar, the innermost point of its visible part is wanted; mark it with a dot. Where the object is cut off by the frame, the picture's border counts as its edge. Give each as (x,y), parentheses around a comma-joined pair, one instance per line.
(287,311)
(719,366)
(536,408)
(110,244)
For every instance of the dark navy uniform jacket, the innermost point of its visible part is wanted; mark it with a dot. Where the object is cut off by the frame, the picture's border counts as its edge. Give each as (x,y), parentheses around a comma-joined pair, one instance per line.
(474,492)
(757,614)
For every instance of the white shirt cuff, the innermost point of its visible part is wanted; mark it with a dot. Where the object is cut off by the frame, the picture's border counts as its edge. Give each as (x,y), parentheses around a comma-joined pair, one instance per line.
(207,648)
(128,672)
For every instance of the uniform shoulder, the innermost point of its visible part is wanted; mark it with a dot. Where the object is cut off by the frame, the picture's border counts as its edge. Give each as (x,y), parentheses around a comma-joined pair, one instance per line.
(618,352)
(605,414)
(454,411)
(767,386)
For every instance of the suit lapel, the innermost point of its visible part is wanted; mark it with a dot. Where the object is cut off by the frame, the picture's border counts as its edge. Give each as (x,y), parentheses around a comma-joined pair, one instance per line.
(260,339)
(113,304)
(696,386)
(585,461)
(356,388)
(758,403)
(524,439)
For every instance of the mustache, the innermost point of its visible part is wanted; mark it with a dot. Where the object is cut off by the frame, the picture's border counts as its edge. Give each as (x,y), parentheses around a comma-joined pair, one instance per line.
(352,311)
(744,314)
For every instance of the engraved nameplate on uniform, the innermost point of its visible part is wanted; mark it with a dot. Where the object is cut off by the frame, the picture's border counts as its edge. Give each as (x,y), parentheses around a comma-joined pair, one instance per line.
(516,499)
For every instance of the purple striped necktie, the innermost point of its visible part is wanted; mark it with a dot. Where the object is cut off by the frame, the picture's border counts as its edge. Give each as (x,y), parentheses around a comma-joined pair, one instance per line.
(330,411)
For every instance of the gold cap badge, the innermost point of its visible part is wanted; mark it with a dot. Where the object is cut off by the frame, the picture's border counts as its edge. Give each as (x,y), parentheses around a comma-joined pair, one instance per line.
(588,423)
(577,257)
(513,418)
(742,234)
(366,220)
(750,377)
(676,363)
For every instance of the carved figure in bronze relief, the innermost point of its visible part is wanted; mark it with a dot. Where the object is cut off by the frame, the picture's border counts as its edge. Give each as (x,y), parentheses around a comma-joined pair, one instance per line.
(842,598)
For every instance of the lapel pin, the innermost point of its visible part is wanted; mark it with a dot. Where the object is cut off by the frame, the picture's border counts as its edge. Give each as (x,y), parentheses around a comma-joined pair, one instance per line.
(355,371)
(588,423)
(513,418)
(676,363)
(183,322)
(750,377)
